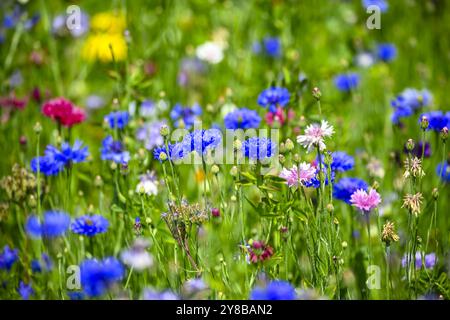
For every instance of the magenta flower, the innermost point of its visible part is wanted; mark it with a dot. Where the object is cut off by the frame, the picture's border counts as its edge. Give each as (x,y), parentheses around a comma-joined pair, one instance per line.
(365,201)
(301,174)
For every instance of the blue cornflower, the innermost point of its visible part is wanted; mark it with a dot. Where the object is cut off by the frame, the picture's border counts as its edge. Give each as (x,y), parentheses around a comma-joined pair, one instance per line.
(272,46)
(175,152)
(97,276)
(118,119)
(381,4)
(54,224)
(275,290)
(8,257)
(256,148)
(113,150)
(437,120)
(149,134)
(386,52)
(242,119)
(25,290)
(185,117)
(345,187)
(54,160)
(346,82)
(443,171)
(408,101)
(342,161)
(202,140)
(273,98)
(90,225)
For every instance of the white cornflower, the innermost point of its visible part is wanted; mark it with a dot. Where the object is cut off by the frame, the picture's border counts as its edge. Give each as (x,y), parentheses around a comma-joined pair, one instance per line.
(315,134)
(148,184)
(137,256)
(210,52)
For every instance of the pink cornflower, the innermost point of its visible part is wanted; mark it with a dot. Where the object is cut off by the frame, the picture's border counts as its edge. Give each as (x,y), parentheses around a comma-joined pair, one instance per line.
(279,116)
(315,134)
(365,201)
(301,174)
(63,111)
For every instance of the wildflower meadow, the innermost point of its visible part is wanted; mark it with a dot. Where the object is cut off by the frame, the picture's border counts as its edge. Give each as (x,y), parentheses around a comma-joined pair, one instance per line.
(224,150)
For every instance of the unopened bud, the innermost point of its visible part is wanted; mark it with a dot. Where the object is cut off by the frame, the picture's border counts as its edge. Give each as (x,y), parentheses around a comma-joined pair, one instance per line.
(37,128)
(444,134)
(234,171)
(164,130)
(316,93)
(330,208)
(289,145)
(424,122)
(435,193)
(215,169)
(281,158)
(98,182)
(410,144)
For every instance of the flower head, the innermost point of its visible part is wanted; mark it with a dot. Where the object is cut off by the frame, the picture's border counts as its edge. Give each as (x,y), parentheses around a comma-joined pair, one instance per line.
(259,251)
(242,119)
(54,224)
(149,134)
(8,257)
(256,148)
(185,117)
(408,102)
(365,201)
(315,134)
(437,120)
(381,4)
(148,184)
(137,256)
(301,174)
(55,160)
(113,150)
(413,167)
(98,276)
(345,187)
(90,225)
(210,52)
(388,234)
(386,52)
(413,202)
(346,82)
(275,290)
(202,140)
(25,290)
(273,98)
(272,46)
(117,119)
(429,259)
(63,111)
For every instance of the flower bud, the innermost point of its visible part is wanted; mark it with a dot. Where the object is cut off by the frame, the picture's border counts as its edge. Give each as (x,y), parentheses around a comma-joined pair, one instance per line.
(289,145)
(435,193)
(316,93)
(424,122)
(163,156)
(444,134)
(215,212)
(98,182)
(164,130)
(281,158)
(234,171)
(282,148)
(410,144)
(330,208)
(215,169)
(37,128)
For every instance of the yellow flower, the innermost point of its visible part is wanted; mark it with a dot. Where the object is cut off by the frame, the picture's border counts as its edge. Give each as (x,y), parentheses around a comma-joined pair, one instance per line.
(108,35)
(107,22)
(97,47)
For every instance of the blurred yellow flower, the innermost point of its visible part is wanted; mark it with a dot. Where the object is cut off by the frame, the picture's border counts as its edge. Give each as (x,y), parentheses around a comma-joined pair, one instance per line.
(108,22)
(97,47)
(107,38)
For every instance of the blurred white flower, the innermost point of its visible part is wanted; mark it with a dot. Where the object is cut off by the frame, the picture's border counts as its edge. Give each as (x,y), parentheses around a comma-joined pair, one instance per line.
(315,134)
(137,257)
(210,52)
(148,184)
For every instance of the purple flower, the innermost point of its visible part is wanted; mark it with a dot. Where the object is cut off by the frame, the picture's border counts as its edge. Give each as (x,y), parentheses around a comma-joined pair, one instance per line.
(54,224)
(346,82)
(25,290)
(8,257)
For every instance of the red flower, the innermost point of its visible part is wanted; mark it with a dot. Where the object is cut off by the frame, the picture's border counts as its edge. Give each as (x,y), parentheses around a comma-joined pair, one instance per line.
(279,116)
(63,111)
(13,102)
(259,251)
